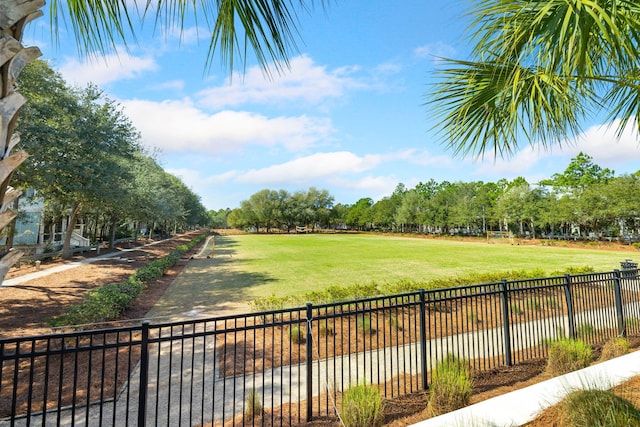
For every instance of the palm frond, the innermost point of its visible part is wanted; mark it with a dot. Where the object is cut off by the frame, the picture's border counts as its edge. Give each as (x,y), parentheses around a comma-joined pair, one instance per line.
(538,65)
(267,29)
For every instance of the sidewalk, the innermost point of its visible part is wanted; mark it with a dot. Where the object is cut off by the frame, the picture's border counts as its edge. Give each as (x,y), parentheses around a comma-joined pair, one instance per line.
(73,264)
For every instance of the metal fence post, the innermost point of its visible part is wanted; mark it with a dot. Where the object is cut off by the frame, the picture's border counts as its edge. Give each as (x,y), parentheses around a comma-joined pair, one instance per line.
(309,344)
(144,374)
(622,328)
(569,298)
(423,339)
(506,322)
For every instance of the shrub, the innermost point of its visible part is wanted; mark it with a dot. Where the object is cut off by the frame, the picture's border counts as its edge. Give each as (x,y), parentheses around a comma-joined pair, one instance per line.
(362,406)
(450,387)
(364,324)
(326,330)
(597,408)
(253,405)
(296,333)
(566,355)
(533,304)
(615,347)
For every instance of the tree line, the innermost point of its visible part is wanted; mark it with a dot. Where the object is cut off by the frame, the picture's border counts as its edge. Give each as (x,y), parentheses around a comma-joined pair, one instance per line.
(585,201)
(88,165)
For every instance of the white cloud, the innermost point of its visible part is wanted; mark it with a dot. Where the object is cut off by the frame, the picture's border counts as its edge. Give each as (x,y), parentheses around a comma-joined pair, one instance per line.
(376,187)
(421,158)
(304,82)
(107,69)
(178,126)
(599,141)
(435,51)
(311,168)
(175,85)
(603,144)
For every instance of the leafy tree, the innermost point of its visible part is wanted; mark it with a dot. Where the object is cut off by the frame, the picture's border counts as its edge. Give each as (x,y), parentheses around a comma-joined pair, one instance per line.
(580,174)
(537,69)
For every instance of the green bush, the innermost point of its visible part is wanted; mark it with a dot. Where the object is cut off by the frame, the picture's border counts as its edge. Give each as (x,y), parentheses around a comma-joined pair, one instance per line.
(450,387)
(362,406)
(364,324)
(566,355)
(597,408)
(297,334)
(108,302)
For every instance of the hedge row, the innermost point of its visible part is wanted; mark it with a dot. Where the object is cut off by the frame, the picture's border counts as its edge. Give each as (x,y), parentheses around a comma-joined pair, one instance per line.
(358,291)
(108,302)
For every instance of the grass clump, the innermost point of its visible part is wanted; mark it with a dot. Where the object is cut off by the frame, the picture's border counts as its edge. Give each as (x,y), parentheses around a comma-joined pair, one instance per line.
(597,408)
(566,355)
(362,406)
(450,387)
(615,347)
(253,404)
(364,325)
(297,334)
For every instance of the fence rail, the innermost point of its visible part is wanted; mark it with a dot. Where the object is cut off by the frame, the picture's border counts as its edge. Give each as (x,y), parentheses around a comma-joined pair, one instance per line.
(289,366)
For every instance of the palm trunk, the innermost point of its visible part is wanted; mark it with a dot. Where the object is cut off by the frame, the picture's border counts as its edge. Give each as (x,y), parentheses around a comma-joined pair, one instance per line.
(14,15)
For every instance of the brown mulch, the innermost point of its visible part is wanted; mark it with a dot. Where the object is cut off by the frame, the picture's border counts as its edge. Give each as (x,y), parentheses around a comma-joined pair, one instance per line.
(26,308)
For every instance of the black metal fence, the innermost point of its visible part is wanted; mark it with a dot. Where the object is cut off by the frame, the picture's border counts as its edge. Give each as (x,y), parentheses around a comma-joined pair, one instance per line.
(288,366)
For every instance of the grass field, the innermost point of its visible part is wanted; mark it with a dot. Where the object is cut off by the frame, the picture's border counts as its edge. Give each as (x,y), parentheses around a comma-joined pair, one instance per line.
(245,267)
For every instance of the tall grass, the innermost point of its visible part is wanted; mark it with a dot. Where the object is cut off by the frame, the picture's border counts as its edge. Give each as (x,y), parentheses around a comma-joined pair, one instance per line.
(566,355)
(597,408)
(450,387)
(362,406)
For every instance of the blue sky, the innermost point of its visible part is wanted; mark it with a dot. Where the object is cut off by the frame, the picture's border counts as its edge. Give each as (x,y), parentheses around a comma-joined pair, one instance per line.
(349,116)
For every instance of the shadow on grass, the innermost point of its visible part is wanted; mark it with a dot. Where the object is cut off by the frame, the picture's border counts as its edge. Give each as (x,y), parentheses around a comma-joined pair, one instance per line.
(211,286)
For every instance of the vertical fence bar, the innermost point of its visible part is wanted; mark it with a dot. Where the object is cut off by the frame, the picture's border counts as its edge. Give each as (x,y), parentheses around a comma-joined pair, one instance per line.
(309,344)
(423,340)
(144,374)
(622,329)
(505,322)
(569,298)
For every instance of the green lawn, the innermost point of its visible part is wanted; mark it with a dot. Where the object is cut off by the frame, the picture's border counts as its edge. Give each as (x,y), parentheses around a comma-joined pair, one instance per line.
(245,267)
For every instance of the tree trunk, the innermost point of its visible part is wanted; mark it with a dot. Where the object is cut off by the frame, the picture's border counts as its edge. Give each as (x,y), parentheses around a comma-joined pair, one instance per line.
(73,218)
(14,15)
(112,237)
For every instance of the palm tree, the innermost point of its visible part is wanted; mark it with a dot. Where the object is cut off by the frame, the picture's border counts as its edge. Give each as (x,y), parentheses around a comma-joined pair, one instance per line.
(538,68)
(266,27)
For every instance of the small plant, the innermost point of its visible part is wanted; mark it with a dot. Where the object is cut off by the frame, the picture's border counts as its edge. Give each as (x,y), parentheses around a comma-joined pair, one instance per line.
(254,405)
(450,387)
(533,304)
(326,329)
(516,309)
(615,347)
(296,333)
(597,408)
(473,317)
(394,323)
(566,355)
(362,406)
(364,324)
(585,330)
(632,322)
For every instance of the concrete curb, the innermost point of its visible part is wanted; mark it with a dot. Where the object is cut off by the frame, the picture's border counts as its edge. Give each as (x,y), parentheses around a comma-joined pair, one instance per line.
(521,406)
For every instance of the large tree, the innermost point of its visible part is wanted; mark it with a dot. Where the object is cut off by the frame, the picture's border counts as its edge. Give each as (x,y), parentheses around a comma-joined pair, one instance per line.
(267,28)
(537,70)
